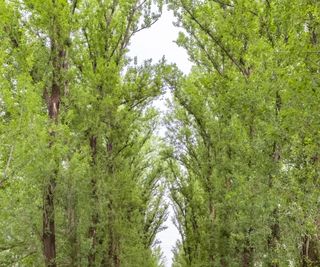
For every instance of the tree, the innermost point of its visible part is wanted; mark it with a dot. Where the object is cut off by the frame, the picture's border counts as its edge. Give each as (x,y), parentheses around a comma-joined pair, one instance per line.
(232,163)
(78,136)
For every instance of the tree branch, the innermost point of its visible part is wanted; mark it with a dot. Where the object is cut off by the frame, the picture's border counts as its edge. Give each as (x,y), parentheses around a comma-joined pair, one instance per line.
(5,171)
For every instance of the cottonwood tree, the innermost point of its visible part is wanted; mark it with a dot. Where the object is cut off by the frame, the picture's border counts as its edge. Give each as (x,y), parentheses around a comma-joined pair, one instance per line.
(81,176)
(237,180)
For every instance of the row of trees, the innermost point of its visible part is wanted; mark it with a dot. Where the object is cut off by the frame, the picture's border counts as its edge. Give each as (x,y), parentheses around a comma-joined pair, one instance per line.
(82,171)
(80,184)
(243,164)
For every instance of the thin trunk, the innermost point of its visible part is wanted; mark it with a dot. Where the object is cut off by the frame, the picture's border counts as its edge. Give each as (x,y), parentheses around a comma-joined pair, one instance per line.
(305,251)
(95,215)
(275,227)
(49,238)
(72,228)
(248,250)
(114,240)
(310,252)
(114,250)
(247,258)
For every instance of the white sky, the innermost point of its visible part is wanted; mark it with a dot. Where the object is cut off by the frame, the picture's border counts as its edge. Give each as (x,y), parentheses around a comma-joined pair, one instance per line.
(156,42)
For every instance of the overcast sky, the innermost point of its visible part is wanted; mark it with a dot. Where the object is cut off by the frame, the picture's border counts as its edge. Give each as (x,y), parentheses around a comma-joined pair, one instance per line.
(156,42)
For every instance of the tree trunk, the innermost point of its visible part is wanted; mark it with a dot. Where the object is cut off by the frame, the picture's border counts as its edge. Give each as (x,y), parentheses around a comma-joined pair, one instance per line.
(59,65)
(247,257)
(114,250)
(310,252)
(49,235)
(95,215)
(275,226)
(49,238)
(72,228)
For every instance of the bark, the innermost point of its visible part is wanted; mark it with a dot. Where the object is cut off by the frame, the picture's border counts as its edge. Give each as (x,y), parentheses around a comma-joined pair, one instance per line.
(59,65)
(49,238)
(114,239)
(114,249)
(276,155)
(310,252)
(95,215)
(247,256)
(72,228)
(49,235)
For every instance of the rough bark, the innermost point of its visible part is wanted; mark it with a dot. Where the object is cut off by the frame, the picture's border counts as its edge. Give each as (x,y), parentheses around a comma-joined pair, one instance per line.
(275,226)
(95,215)
(72,228)
(49,238)
(310,252)
(49,235)
(53,99)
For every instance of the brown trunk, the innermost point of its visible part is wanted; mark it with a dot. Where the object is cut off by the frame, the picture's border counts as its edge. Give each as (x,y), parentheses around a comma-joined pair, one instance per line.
(276,156)
(49,243)
(72,228)
(247,251)
(275,236)
(53,104)
(114,257)
(310,252)
(247,257)
(115,241)
(95,215)
(49,235)
(305,251)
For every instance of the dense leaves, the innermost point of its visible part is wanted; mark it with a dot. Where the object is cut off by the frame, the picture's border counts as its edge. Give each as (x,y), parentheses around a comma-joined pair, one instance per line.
(83,174)
(80,182)
(244,162)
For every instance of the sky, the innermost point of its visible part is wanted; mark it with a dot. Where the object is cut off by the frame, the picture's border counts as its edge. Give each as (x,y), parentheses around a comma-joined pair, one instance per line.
(154,43)
(158,41)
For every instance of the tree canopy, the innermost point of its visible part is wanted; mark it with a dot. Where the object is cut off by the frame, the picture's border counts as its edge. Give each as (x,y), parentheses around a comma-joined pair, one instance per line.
(85,178)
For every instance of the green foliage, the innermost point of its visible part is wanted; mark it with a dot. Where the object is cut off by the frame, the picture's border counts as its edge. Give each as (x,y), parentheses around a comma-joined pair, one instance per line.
(98,154)
(84,177)
(243,168)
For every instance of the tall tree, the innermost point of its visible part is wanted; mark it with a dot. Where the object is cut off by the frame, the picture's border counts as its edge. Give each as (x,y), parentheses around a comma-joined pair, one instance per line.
(78,186)
(232,151)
